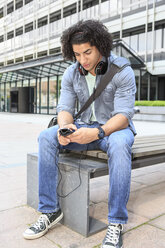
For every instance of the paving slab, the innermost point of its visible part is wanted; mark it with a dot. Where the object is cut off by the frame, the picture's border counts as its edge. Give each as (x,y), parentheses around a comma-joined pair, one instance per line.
(134,220)
(13,223)
(148,202)
(100,212)
(12,183)
(148,169)
(136,186)
(13,199)
(145,236)
(159,222)
(148,179)
(66,238)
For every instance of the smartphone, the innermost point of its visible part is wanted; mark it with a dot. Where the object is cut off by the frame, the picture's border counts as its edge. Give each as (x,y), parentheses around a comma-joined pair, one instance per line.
(65,131)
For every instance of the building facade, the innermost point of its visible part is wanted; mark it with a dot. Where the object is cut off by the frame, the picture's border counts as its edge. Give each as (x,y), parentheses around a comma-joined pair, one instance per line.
(31,64)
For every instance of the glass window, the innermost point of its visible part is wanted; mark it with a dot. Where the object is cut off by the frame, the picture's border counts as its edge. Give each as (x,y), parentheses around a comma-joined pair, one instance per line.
(69,10)
(13,84)
(18,4)
(1,12)
(137,80)
(52,95)
(19,84)
(38,95)
(10,7)
(153,88)
(7,96)
(42,21)
(59,87)
(44,91)
(55,16)
(25,83)
(1,38)
(28,27)
(33,96)
(10,35)
(2,105)
(19,31)
(33,82)
(144,86)
(28,1)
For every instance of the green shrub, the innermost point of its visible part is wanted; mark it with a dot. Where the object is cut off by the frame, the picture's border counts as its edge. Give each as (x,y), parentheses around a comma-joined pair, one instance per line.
(150,103)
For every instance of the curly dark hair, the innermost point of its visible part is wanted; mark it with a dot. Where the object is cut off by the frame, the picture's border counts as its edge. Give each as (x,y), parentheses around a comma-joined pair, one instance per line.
(92,31)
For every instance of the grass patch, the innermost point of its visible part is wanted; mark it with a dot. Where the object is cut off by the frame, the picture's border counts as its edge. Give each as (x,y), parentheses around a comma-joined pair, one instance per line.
(97,246)
(150,103)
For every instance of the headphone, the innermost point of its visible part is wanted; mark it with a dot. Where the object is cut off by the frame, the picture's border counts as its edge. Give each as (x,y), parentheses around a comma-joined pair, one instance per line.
(100,69)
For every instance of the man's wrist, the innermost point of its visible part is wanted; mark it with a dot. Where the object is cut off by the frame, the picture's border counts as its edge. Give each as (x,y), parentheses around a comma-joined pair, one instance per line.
(101,132)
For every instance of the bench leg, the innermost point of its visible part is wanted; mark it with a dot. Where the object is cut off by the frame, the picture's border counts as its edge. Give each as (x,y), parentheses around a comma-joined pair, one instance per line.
(76,205)
(32,180)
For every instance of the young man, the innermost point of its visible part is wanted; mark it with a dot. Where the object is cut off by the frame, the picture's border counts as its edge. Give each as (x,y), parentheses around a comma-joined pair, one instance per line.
(105,125)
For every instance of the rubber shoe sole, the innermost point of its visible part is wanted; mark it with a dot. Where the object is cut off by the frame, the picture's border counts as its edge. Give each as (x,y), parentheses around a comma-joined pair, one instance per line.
(108,246)
(40,234)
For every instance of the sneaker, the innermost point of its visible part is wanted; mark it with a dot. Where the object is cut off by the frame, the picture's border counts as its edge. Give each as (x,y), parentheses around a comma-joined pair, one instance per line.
(44,223)
(113,237)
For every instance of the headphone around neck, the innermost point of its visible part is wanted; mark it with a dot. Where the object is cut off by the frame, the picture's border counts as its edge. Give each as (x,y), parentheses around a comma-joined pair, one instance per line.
(100,69)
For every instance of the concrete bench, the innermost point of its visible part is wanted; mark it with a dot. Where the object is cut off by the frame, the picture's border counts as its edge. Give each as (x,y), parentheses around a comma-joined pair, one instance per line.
(147,151)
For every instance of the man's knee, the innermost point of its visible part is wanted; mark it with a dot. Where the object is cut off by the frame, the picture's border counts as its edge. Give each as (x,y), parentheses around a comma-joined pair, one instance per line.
(118,142)
(49,134)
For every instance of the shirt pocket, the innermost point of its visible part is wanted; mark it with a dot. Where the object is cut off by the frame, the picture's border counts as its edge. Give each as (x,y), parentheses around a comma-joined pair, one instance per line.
(108,94)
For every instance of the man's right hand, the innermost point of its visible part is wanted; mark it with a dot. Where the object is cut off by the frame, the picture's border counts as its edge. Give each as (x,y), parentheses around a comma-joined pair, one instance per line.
(66,140)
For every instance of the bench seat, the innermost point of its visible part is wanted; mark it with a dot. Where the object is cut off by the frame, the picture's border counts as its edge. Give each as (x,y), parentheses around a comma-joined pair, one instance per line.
(77,168)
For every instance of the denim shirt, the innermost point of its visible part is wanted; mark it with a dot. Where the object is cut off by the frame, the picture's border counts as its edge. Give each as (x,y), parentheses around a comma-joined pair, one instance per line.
(117,98)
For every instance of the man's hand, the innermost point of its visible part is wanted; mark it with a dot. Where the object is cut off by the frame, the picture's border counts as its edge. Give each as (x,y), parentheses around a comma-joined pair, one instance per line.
(66,140)
(84,135)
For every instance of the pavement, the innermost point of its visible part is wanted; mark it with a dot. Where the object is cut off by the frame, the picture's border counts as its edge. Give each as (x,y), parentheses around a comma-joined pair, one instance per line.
(146,206)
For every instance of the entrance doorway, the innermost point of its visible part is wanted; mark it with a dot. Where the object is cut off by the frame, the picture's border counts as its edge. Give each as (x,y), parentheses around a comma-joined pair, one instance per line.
(22,100)
(14,101)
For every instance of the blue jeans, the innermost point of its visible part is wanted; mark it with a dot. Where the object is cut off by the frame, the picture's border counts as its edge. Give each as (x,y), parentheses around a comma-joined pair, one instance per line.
(118,147)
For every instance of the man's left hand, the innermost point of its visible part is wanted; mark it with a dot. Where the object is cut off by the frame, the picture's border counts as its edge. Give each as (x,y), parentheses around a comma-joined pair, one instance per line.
(84,135)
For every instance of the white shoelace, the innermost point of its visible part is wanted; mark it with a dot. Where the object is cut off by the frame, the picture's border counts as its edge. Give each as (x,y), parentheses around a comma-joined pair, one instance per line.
(112,234)
(43,219)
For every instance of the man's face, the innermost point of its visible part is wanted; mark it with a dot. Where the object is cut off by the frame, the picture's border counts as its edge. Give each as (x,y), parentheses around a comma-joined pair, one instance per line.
(88,56)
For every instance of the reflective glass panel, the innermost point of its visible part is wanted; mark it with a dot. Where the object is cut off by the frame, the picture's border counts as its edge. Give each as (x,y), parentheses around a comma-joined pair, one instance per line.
(7,97)
(44,92)
(153,88)
(144,86)
(2,106)
(52,95)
